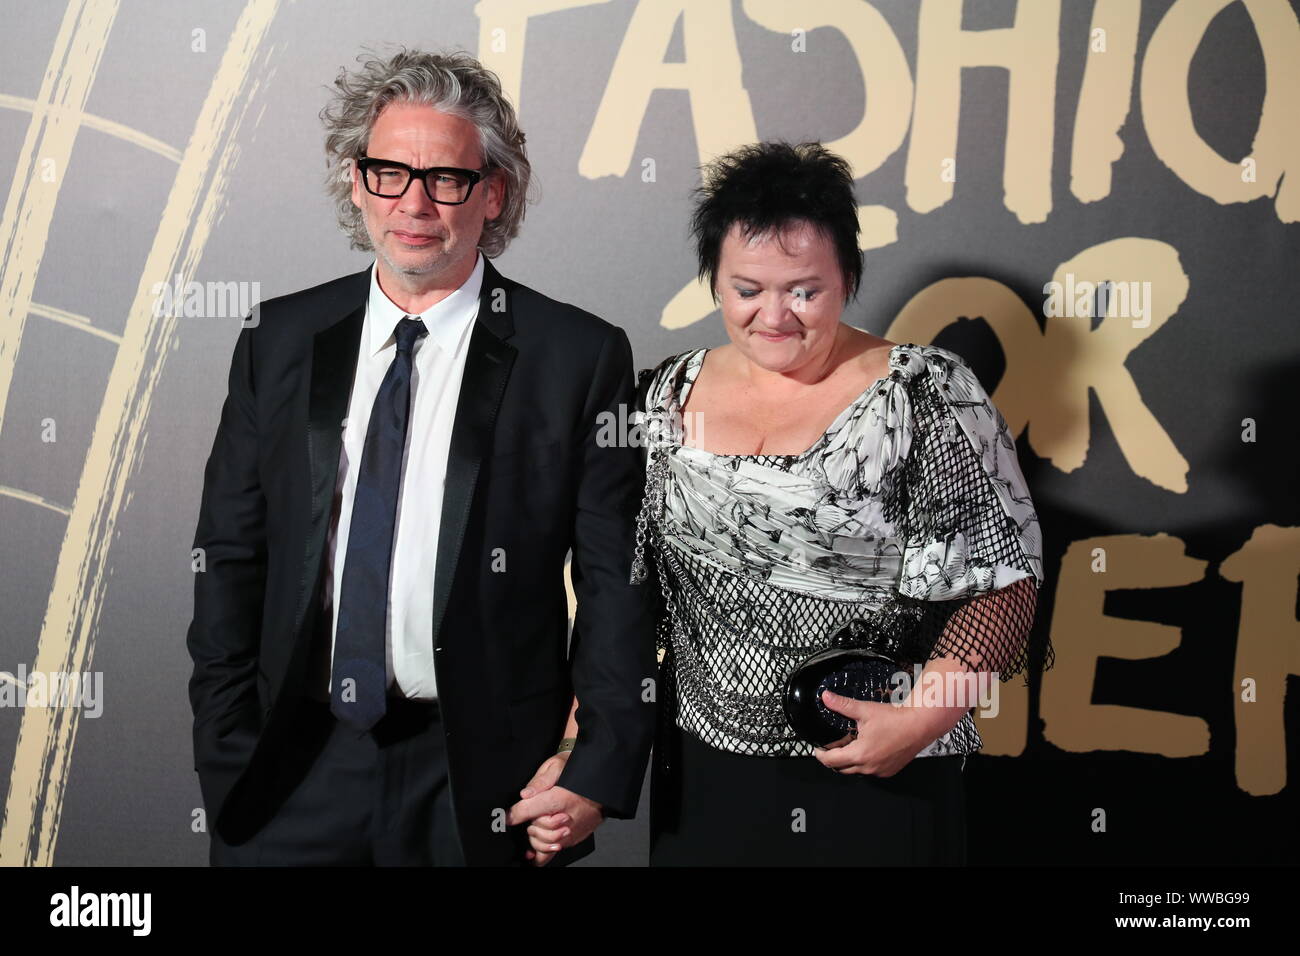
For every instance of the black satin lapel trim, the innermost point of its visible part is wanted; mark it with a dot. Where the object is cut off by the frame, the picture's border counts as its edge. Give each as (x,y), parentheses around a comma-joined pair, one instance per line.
(494,305)
(487,368)
(333,365)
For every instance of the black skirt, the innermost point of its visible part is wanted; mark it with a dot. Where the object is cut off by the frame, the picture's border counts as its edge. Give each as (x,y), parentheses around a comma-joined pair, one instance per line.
(711,807)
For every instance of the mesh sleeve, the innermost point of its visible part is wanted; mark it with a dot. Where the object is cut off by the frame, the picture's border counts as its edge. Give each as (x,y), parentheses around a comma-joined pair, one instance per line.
(971,541)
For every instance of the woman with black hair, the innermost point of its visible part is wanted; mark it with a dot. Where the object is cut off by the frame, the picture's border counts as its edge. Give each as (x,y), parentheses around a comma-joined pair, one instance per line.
(822,507)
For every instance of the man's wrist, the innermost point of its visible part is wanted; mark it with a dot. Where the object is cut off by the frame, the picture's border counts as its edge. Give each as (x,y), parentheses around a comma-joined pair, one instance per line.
(567,745)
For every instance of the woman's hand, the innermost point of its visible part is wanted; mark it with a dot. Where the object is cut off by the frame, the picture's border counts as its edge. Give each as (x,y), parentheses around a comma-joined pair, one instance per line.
(551,829)
(546,831)
(888,735)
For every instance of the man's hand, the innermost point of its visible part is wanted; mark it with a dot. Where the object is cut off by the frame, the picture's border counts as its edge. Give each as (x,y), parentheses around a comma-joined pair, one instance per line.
(559,817)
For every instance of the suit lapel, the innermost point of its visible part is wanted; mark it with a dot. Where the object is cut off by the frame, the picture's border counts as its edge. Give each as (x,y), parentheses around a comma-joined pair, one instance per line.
(333,366)
(487,368)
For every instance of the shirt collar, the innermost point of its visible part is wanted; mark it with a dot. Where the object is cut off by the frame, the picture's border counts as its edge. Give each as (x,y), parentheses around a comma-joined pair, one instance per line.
(445,320)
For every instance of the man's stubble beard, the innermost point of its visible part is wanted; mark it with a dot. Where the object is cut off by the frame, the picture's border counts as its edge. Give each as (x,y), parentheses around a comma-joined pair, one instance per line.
(441,264)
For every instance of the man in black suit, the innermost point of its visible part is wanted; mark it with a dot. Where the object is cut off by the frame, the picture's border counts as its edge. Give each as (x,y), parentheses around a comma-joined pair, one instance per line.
(382,673)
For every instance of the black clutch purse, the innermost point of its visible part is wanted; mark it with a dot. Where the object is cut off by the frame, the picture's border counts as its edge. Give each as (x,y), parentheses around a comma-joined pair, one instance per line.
(863,657)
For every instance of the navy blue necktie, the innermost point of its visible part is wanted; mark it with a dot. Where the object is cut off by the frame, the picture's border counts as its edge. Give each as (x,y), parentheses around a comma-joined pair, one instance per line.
(359,680)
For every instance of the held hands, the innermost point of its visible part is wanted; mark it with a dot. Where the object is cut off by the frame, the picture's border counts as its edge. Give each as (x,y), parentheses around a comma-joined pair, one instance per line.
(559,817)
(888,735)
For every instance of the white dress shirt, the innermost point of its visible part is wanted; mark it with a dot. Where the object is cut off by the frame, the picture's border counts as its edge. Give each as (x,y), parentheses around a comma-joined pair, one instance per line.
(438,365)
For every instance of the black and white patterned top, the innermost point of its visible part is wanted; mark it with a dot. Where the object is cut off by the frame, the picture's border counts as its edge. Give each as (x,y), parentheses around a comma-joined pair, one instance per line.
(913,490)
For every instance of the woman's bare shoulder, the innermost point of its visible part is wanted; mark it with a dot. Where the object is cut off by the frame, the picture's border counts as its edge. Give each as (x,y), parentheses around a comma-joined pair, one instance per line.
(869,355)
(721,362)
(724,354)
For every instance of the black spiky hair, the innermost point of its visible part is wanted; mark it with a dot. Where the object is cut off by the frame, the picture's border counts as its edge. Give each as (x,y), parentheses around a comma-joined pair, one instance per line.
(768,187)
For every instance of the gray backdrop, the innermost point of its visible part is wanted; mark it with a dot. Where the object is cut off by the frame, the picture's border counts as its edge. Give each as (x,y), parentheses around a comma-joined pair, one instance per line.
(137,138)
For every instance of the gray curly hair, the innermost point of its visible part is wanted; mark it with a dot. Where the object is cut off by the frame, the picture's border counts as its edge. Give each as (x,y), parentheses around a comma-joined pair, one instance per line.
(454,83)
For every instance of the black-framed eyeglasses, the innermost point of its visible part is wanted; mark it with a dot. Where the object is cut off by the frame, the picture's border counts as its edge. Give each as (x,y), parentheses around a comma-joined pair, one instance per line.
(389,179)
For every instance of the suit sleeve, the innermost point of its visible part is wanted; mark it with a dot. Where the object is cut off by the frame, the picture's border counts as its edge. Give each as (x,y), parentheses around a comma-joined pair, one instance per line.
(613,631)
(224,634)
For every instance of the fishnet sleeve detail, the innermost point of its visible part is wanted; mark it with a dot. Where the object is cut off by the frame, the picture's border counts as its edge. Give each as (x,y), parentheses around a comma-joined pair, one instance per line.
(965,557)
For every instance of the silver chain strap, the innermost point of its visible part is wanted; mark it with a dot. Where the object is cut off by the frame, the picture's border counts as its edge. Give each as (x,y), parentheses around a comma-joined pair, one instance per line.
(652,504)
(652,510)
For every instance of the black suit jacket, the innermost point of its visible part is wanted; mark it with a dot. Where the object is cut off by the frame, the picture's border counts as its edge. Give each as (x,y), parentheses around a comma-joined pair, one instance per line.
(527,474)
